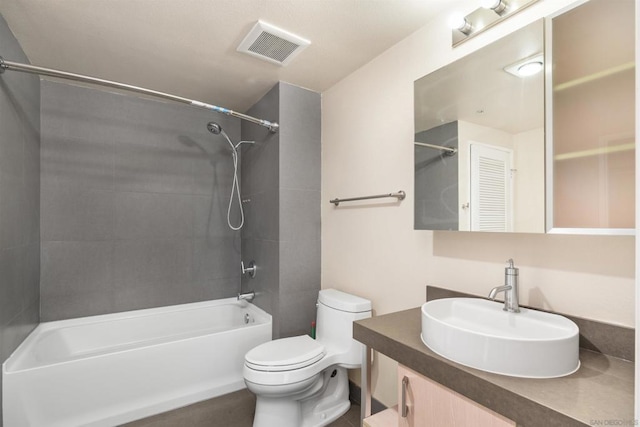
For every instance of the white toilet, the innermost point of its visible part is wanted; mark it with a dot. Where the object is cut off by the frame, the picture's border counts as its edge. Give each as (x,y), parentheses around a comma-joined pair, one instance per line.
(302,382)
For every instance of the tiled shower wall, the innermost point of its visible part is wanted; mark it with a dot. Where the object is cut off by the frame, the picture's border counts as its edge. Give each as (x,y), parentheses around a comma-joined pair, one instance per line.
(436,180)
(134,197)
(281,179)
(260,180)
(19,200)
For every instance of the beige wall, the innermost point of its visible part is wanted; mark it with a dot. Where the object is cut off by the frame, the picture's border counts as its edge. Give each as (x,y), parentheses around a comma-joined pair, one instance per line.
(372,250)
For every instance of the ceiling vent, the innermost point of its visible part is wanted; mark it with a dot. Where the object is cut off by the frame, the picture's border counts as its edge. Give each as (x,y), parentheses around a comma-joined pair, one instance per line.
(272,44)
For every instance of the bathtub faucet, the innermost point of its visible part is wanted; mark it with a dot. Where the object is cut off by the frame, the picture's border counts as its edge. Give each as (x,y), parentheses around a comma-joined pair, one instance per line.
(250,270)
(246,296)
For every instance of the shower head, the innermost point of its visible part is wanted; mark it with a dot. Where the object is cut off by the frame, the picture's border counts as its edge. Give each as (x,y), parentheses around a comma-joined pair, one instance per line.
(214,128)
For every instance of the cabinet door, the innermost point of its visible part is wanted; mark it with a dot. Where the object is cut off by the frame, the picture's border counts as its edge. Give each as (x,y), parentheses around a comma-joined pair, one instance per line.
(432,404)
(593,118)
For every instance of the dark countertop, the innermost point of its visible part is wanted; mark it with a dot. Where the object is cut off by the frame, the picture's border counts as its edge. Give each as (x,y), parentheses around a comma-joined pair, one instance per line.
(600,391)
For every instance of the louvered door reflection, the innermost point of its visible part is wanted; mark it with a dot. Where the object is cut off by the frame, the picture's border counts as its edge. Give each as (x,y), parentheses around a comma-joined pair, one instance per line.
(491,207)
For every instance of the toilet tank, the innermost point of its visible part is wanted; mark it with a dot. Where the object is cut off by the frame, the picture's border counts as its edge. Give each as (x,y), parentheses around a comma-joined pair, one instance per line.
(334,325)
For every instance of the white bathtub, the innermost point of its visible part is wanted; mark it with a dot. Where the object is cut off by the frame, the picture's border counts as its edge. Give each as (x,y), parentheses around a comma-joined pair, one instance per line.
(110,369)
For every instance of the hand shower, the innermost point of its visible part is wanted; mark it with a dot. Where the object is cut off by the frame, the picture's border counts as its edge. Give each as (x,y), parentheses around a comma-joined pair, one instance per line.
(216,129)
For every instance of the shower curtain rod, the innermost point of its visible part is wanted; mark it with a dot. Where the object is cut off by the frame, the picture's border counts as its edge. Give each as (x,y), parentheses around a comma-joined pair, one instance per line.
(32,69)
(448,150)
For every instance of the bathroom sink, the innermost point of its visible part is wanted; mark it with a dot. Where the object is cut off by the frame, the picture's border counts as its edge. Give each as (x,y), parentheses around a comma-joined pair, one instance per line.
(480,334)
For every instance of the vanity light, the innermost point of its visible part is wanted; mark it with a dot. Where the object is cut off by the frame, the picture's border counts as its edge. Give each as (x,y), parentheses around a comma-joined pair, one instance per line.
(491,13)
(498,6)
(460,23)
(526,67)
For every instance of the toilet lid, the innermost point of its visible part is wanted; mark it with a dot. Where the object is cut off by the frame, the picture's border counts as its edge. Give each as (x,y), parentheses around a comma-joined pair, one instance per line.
(285,354)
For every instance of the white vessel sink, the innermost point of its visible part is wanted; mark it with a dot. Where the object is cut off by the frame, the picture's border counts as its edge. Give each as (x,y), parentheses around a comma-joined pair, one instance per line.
(479,334)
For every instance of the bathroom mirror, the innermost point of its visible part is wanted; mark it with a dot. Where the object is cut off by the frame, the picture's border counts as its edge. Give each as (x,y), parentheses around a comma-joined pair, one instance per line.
(591,119)
(479,139)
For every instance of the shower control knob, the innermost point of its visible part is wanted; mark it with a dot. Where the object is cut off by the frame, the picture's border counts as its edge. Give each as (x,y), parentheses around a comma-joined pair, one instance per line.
(251,269)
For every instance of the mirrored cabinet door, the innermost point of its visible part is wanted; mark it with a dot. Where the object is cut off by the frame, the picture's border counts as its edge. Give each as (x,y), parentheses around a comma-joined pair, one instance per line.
(479,140)
(591,119)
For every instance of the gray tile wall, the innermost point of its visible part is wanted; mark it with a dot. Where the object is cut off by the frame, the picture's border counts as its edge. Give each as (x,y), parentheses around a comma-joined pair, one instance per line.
(260,185)
(281,177)
(436,180)
(19,200)
(300,157)
(134,202)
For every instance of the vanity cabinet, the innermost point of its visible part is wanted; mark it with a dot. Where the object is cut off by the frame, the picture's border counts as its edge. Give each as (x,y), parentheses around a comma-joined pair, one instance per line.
(602,389)
(432,404)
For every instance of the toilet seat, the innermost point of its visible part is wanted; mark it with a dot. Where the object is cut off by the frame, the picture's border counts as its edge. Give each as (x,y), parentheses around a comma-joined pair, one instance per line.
(285,354)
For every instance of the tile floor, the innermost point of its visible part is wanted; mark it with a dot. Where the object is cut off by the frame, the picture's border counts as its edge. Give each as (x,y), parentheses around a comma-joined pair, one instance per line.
(350,419)
(232,410)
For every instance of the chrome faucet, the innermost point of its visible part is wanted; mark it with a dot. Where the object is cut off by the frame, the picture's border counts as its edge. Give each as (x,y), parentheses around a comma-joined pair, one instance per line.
(510,289)
(246,296)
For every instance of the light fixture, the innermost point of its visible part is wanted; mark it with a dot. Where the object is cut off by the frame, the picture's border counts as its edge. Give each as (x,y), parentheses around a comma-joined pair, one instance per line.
(460,23)
(530,68)
(526,67)
(491,13)
(498,6)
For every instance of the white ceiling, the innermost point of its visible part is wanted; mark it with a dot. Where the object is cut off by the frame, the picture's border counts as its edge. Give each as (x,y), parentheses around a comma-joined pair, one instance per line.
(188,48)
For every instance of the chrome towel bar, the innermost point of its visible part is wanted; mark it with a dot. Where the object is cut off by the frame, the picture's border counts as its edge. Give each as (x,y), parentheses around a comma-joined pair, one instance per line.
(400,195)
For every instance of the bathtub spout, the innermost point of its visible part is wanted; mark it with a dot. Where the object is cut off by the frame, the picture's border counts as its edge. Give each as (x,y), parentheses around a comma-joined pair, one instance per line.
(246,296)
